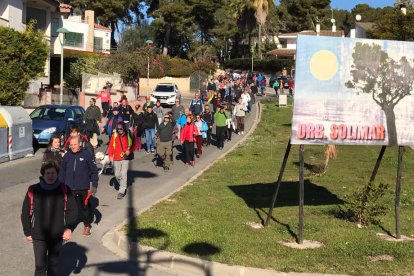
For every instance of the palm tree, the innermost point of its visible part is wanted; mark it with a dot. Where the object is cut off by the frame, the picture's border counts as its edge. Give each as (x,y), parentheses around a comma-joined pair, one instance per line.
(262,10)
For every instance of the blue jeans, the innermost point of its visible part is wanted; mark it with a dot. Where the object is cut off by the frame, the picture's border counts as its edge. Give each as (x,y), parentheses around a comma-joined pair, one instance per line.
(150,138)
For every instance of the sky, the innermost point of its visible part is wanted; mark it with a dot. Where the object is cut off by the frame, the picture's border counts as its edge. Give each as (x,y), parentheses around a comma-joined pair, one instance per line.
(349,4)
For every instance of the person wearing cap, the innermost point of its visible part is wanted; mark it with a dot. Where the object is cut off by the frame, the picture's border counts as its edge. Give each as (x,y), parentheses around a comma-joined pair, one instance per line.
(110,114)
(112,122)
(220,117)
(165,133)
(150,124)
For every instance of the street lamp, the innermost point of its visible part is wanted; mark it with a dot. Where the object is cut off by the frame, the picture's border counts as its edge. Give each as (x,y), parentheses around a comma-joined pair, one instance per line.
(148,42)
(61,31)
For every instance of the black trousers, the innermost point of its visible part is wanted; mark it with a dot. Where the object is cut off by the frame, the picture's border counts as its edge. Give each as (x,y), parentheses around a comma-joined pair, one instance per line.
(46,255)
(188,148)
(221,134)
(208,139)
(105,108)
(85,213)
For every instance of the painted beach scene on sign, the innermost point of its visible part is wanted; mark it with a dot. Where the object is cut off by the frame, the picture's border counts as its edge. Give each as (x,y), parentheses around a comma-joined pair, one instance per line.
(353,92)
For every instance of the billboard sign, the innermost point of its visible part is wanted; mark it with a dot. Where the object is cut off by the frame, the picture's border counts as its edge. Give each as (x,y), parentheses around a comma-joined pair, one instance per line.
(353,92)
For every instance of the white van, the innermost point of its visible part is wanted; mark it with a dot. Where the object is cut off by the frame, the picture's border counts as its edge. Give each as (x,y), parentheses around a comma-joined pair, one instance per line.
(166,93)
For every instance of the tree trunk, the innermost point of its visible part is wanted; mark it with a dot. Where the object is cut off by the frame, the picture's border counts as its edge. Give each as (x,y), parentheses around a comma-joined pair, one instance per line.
(166,41)
(391,127)
(260,41)
(114,29)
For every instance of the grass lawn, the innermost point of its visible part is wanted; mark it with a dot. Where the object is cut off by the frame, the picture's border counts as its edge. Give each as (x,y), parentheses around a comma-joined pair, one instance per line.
(209,218)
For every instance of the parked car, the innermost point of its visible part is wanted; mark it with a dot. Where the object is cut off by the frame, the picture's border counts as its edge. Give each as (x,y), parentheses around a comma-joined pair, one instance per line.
(48,120)
(166,93)
(274,78)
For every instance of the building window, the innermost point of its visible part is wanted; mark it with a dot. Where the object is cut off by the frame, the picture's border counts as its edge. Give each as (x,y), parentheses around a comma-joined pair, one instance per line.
(55,26)
(98,44)
(74,40)
(38,15)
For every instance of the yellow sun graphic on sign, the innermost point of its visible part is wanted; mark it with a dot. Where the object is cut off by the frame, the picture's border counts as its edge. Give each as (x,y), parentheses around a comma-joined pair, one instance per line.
(324,65)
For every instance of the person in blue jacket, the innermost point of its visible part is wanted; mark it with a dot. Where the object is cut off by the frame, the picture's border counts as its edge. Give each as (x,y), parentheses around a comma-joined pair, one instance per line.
(79,172)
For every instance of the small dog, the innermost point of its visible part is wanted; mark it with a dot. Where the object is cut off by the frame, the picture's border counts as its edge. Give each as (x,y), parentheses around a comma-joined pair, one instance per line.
(103,159)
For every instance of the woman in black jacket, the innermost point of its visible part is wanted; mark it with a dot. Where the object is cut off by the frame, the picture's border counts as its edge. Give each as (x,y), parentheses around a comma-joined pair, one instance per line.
(53,151)
(49,215)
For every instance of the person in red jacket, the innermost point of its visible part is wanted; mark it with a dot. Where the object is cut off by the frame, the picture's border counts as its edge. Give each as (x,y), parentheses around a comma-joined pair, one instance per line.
(187,138)
(120,152)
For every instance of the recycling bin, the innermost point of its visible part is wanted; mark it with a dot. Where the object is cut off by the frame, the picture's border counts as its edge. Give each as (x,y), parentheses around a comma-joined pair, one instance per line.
(20,132)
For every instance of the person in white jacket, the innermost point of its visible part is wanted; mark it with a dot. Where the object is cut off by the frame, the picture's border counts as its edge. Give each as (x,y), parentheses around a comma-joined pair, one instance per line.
(239,112)
(245,99)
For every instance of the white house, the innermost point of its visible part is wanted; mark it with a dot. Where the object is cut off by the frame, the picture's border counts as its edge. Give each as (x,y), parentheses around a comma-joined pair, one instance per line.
(288,41)
(16,13)
(361,29)
(84,35)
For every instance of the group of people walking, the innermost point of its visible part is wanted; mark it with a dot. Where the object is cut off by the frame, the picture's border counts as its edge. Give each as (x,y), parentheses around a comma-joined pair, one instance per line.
(54,206)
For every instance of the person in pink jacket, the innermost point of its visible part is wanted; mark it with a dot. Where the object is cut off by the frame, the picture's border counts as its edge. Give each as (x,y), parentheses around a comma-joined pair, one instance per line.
(106,101)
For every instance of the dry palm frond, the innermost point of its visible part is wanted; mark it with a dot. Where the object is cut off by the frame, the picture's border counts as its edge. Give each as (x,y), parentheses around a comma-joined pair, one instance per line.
(330,153)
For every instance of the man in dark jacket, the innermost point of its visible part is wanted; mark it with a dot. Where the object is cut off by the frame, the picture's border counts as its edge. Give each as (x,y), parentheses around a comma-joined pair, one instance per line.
(92,118)
(125,110)
(78,170)
(208,117)
(49,215)
(165,134)
(150,124)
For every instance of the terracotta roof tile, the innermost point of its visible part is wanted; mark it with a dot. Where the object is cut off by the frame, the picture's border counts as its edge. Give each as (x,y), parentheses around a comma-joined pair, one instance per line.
(282,52)
(97,26)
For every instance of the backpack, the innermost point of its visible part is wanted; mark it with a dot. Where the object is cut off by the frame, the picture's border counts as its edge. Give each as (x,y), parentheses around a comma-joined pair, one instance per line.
(31,197)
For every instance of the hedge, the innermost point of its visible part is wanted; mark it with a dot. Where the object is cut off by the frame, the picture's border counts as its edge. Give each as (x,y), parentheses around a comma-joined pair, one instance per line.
(269,64)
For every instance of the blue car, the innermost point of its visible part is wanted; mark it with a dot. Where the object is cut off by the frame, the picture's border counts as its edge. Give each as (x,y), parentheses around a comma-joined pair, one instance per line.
(49,120)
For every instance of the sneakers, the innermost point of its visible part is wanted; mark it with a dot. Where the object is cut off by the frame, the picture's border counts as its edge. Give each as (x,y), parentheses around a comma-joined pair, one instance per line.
(120,196)
(192,163)
(242,132)
(152,151)
(86,231)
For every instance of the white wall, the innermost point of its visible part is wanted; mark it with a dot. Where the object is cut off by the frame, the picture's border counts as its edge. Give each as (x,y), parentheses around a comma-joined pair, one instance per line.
(291,43)
(106,38)
(72,26)
(16,15)
(360,32)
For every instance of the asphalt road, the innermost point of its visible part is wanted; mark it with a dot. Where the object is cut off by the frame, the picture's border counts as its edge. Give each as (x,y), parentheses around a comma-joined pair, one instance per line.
(87,256)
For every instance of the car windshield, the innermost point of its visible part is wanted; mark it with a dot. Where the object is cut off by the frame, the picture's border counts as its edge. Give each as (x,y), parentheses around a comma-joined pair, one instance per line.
(164,88)
(48,113)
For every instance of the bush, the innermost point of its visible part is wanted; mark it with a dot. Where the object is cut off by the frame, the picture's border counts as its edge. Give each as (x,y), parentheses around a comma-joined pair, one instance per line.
(22,58)
(366,204)
(205,66)
(269,64)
